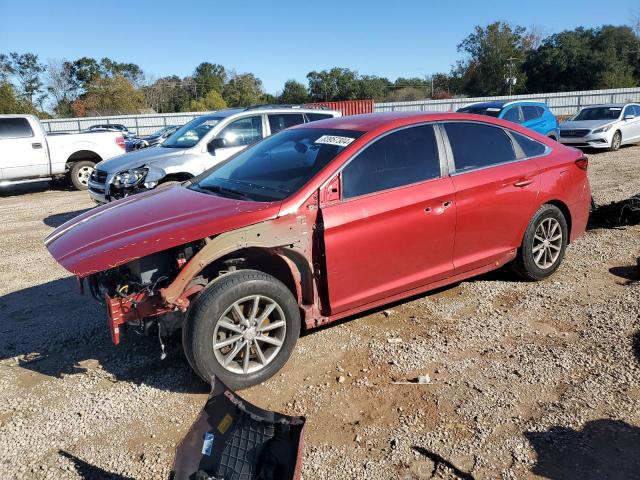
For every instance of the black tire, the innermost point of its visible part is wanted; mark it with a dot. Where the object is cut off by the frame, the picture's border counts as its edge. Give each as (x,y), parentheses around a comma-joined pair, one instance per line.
(525,264)
(79,173)
(206,312)
(552,136)
(616,141)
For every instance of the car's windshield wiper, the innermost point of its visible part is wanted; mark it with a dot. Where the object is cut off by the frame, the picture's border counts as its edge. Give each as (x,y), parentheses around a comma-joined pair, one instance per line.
(223,192)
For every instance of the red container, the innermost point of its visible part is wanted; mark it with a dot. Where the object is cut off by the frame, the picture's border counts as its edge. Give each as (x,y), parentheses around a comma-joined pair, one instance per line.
(347,107)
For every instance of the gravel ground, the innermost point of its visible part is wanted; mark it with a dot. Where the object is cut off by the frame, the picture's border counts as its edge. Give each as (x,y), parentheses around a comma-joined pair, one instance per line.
(526,380)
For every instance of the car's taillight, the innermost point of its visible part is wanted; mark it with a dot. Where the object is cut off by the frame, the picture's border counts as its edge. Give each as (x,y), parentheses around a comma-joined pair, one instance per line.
(120,141)
(582,163)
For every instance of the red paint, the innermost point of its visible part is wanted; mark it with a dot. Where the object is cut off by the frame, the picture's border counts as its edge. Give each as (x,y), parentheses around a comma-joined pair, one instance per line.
(346,107)
(377,248)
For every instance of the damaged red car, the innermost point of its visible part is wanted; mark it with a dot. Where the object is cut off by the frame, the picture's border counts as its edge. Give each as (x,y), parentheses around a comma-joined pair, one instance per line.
(323,221)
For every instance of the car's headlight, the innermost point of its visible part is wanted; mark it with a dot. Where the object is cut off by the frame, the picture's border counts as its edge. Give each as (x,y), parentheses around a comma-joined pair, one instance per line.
(606,128)
(129,178)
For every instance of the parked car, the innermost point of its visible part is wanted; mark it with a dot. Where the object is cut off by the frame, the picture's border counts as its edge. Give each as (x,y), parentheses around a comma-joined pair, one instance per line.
(603,126)
(196,146)
(112,127)
(533,115)
(323,221)
(158,137)
(28,154)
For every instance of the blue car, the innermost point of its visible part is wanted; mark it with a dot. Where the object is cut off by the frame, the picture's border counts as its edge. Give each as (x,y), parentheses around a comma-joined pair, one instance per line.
(533,115)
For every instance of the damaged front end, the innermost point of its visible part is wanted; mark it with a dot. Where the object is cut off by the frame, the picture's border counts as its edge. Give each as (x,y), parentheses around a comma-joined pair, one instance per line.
(131,292)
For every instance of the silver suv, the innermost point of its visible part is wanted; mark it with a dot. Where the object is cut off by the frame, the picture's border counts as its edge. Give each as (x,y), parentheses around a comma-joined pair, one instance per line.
(200,144)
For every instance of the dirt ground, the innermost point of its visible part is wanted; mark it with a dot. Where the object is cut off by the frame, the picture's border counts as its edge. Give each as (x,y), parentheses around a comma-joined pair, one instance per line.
(527,380)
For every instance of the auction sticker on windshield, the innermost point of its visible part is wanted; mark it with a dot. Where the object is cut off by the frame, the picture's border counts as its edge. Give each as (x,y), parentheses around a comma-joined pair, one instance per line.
(335,140)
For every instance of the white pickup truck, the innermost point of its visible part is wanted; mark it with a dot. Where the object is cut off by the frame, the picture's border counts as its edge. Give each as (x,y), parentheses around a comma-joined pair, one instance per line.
(28,154)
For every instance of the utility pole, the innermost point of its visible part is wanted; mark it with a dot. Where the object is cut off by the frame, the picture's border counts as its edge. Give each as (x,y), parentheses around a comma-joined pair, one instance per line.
(511,80)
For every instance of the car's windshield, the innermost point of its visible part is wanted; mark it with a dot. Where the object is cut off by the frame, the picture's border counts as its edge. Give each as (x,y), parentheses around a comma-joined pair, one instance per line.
(191,133)
(490,111)
(599,113)
(276,167)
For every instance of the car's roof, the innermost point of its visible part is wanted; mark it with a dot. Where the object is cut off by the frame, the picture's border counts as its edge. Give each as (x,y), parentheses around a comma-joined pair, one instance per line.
(504,103)
(267,109)
(388,120)
(611,105)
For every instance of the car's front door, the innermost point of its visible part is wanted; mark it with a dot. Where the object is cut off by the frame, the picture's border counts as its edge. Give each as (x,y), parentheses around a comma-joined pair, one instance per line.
(630,127)
(392,228)
(22,153)
(238,135)
(533,118)
(496,193)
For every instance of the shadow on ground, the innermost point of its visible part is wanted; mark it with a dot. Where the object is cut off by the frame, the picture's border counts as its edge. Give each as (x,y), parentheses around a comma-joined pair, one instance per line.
(603,449)
(34,187)
(55,331)
(630,273)
(58,219)
(86,471)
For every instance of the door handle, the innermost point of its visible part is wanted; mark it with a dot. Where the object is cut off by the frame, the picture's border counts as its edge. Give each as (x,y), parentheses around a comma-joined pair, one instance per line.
(439,209)
(523,183)
(36,145)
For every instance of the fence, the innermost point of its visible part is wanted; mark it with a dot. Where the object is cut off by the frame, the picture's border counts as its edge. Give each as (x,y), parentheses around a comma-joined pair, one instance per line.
(561,104)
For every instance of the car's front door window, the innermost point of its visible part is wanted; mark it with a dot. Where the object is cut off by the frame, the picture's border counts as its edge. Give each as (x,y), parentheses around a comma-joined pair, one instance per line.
(400,158)
(513,114)
(242,132)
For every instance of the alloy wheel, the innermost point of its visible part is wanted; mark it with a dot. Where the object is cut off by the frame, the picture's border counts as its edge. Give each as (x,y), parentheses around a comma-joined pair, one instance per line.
(617,140)
(249,335)
(547,243)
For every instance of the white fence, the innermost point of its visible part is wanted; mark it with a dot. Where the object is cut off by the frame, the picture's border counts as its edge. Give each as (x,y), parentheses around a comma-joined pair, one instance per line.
(139,124)
(564,103)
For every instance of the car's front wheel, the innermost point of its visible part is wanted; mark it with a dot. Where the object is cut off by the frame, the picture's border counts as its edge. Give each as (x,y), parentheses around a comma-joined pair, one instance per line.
(242,328)
(616,141)
(543,245)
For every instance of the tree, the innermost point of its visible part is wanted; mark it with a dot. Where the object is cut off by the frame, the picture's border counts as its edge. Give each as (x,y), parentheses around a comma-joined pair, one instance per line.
(212,101)
(293,92)
(130,71)
(333,85)
(12,103)
(27,69)
(5,67)
(61,86)
(584,59)
(242,90)
(489,50)
(209,76)
(372,87)
(109,96)
(84,71)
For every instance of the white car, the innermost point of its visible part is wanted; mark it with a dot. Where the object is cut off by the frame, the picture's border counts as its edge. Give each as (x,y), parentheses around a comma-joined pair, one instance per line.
(28,154)
(196,146)
(603,126)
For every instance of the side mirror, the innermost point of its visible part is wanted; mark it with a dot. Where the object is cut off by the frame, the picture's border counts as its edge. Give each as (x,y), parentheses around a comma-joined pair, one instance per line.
(629,117)
(215,144)
(331,191)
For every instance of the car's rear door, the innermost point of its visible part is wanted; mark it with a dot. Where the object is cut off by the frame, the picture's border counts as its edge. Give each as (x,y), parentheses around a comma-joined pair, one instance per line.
(392,228)
(495,192)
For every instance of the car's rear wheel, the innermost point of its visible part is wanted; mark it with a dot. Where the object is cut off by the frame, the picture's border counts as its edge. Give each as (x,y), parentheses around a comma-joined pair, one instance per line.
(79,174)
(242,328)
(616,141)
(543,245)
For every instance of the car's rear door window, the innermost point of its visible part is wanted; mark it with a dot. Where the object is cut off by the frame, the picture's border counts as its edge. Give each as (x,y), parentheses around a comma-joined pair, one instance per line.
(529,146)
(280,121)
(15,128)
(312,117)
(531,112)
(399,158)
(476,145)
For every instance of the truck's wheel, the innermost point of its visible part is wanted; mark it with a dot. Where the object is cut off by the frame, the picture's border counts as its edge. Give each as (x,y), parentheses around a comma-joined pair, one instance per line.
(79,174)
(543,246)
(242,328)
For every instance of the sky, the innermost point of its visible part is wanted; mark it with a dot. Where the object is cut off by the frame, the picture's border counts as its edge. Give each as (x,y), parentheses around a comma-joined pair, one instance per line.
(280,40)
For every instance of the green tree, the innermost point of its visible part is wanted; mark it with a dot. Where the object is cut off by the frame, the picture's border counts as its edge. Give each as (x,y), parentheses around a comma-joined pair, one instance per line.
(27,70)
(12,103)
(84,71)
(61,86)
(242,90)
(130,71)
(333,85)
(371,87)
(109,96)
(212,101)
(488,50)
(293,92)
(209,76)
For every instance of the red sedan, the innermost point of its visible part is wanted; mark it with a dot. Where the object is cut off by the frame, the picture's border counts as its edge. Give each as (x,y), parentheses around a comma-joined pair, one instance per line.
(323,221)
